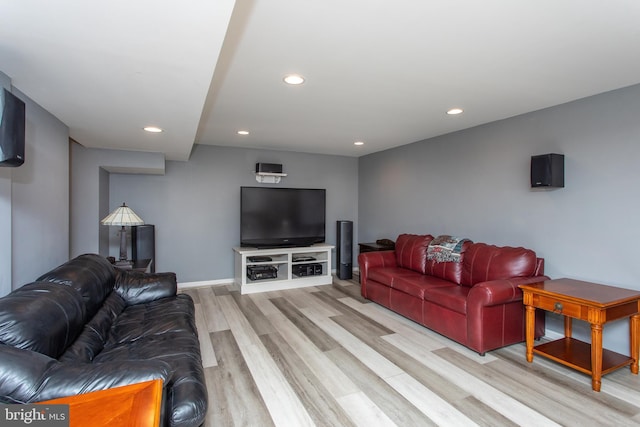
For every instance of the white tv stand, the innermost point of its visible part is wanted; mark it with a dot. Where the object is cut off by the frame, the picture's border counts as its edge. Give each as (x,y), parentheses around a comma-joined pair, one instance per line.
(285,261)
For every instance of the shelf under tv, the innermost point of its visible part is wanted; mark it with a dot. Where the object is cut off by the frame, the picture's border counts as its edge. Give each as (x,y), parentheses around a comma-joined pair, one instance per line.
(283,260)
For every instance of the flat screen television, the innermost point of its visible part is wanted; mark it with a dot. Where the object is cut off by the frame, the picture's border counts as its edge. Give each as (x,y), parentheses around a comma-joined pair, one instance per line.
(281,217)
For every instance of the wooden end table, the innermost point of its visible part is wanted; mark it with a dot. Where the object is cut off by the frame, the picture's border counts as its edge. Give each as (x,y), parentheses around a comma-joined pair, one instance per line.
(375,247)
(132,405)
(591,302)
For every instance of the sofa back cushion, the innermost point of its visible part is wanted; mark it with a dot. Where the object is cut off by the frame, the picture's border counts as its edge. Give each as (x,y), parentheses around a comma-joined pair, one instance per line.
(95,333)
(41,317)
(411,251)
(484,262)
(450,271)
(91,275)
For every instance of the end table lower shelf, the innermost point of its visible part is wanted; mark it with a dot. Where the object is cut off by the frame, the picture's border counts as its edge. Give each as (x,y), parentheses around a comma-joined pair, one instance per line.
(577,355)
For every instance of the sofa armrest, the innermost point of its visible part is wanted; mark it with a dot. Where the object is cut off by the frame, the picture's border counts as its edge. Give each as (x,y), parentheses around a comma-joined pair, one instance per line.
(69,379)
(138,288)
(28,376)
(369,260)
(503,291)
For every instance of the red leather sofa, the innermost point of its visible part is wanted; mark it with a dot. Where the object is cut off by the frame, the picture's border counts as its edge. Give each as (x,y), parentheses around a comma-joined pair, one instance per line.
(476,301)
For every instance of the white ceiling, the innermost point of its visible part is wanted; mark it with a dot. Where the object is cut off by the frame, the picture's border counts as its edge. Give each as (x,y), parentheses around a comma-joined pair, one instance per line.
(380,71)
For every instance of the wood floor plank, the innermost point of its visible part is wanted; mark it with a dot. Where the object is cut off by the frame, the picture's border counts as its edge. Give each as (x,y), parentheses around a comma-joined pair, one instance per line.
(364,411)
(486,393)
(283,404)
(539,392)
(553,385)
(443,388)
(440,411)
(207,351)
(317,336)
(234,398)
(345,309)
(320,404)
(370,357)
(323,355)
(330,375)
(215,320)
(252,314)
(396,407)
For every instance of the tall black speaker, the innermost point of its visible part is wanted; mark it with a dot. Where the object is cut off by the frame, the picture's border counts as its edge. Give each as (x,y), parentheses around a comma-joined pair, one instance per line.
(12,128)
(344,251)
(143,243)
(547,170)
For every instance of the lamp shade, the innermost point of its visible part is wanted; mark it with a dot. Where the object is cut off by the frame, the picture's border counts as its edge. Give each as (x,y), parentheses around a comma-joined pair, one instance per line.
(124,216)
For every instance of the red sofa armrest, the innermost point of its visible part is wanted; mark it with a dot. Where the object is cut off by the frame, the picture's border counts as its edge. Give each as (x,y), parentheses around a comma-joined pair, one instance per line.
(503,291)
(495,314)
(369,260)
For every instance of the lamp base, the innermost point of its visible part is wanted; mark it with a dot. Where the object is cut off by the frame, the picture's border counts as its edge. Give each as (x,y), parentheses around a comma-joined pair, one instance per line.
(124,264)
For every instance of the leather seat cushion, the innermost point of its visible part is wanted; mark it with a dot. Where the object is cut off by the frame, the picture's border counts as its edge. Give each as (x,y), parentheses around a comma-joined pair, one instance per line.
(451,297)
(386,275)
(158,317)
(416,285)
(95,334)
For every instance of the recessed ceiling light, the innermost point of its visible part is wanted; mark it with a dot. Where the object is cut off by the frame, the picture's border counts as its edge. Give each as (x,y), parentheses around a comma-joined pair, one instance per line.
(454,111)
(294,79)
(358,143)
(243,132)
(153,129)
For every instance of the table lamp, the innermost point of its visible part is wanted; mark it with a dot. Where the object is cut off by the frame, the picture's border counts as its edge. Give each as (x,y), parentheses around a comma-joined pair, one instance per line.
(123,216)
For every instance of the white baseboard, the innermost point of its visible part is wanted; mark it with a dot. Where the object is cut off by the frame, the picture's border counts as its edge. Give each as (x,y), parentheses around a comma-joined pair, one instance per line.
(219,282)
(553,334)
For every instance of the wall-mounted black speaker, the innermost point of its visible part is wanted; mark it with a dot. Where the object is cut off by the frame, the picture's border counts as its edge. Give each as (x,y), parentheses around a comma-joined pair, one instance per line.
(344,251)
(12,128)
(143,243)
(547,170)
(268,168)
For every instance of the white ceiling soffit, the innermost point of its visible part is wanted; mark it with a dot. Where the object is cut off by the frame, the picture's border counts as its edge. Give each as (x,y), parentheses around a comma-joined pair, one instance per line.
(383,72)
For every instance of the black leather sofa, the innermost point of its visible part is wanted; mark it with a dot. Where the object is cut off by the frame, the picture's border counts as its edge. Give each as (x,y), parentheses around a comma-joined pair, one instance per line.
(87,326)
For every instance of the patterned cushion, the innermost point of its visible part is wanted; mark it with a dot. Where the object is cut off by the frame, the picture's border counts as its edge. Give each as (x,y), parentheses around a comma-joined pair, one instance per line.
(451,271)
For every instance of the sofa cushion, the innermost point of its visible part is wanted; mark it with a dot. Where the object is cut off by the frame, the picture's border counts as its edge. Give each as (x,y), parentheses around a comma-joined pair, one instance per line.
(451,271)
(416,285)
(42,317)
(95,334)
(451,297)
(411,251)
(91,275)
(484,262)
(386,275)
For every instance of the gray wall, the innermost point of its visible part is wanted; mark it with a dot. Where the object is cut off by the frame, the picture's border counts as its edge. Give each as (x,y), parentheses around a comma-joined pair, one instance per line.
(475,184)
(195,206)
(34,201)
(90,171)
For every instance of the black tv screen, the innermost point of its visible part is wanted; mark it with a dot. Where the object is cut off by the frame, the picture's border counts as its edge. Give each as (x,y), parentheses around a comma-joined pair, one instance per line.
(281,217)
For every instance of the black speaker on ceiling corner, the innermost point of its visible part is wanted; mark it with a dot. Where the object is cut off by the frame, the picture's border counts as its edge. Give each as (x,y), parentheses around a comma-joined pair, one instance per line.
(547,170)
(344,249)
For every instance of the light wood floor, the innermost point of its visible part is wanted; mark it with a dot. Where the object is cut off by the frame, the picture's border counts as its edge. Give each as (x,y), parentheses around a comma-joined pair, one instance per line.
(325,356)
